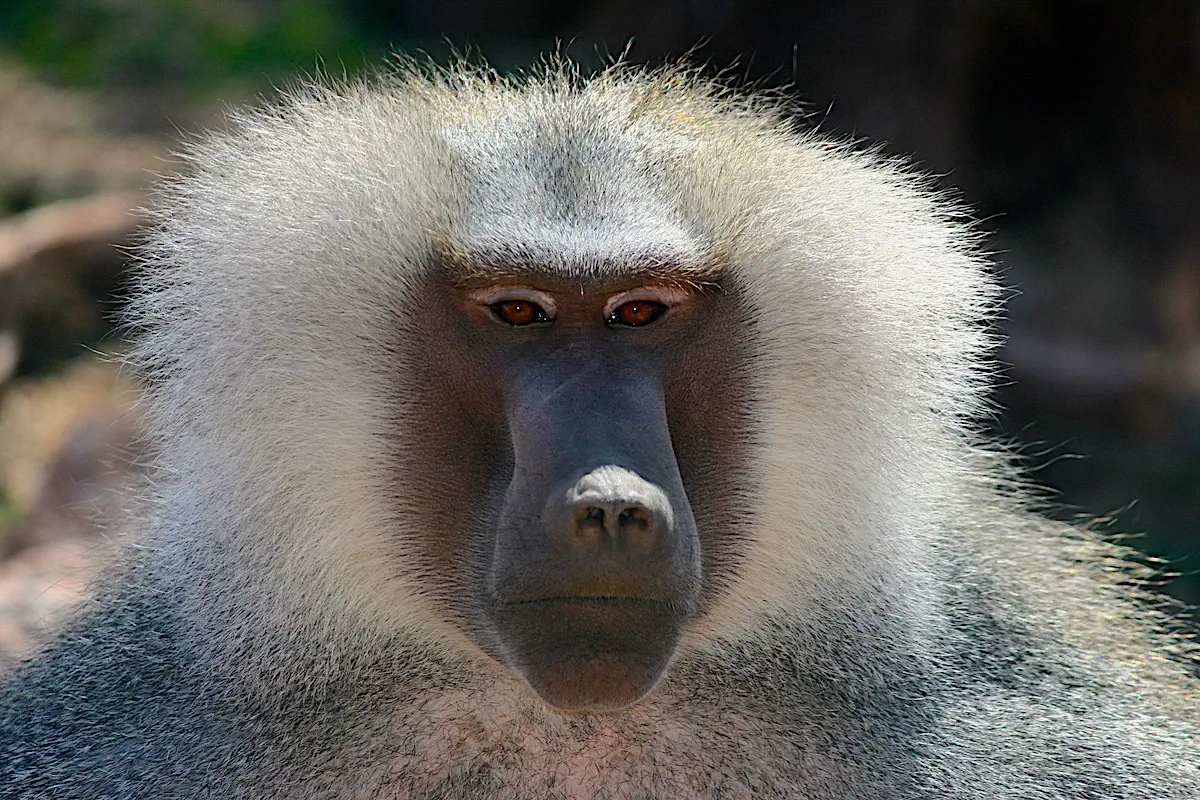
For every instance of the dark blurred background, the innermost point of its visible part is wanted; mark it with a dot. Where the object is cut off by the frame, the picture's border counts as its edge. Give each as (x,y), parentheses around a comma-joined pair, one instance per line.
(1071,126)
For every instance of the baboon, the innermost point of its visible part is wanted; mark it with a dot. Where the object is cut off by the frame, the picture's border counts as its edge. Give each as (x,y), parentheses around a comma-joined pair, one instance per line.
(584,437)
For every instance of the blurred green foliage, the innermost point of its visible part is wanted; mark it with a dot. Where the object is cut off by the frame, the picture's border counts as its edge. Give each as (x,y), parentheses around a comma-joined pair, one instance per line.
(197,44)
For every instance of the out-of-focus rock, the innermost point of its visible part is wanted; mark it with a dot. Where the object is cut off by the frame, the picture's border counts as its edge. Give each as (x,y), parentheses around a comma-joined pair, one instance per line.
(81,490)
(68,451)
(40,417)
(38,589)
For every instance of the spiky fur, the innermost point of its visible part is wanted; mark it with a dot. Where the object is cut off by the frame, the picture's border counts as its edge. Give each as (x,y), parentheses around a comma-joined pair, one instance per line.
(900,627)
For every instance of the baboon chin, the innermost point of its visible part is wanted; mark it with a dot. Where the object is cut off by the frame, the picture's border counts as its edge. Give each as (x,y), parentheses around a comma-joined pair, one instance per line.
(591,437)
(593,654)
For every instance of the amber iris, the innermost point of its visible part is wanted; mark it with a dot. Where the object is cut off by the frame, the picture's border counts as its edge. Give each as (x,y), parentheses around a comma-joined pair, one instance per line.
(636,313)
(520,312)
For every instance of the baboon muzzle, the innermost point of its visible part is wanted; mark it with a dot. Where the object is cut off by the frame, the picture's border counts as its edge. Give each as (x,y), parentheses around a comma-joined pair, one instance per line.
(596,565)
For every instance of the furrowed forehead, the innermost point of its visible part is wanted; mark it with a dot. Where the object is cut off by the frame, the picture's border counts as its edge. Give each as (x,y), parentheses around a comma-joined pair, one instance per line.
(466,267)
(561,188)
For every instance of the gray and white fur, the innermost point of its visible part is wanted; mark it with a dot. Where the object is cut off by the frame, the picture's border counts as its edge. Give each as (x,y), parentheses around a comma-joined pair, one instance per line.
(876,614)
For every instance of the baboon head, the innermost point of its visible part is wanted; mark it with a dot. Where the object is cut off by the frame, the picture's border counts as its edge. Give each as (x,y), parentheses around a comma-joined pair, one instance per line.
(572,377)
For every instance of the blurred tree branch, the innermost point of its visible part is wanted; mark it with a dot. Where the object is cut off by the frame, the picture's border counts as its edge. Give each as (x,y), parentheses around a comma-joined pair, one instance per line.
(105,217)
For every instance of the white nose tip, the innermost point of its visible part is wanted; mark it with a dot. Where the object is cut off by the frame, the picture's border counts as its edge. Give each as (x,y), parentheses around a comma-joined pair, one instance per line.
(611,485)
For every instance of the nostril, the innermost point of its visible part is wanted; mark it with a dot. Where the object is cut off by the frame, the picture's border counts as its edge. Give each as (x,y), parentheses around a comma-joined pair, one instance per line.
(636,526)
(589,527)
(634,517)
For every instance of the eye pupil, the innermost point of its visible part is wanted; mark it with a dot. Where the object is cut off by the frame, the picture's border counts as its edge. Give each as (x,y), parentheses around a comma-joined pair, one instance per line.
(637,313)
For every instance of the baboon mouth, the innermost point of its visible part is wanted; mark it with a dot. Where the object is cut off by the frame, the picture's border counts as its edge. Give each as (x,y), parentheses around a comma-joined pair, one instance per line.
(588,599)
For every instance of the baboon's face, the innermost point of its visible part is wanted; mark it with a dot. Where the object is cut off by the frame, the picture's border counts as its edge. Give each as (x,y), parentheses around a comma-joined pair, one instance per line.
(581,462)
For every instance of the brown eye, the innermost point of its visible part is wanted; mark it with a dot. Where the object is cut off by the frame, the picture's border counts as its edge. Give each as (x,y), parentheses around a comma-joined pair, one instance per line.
(636,313)
(520,312)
